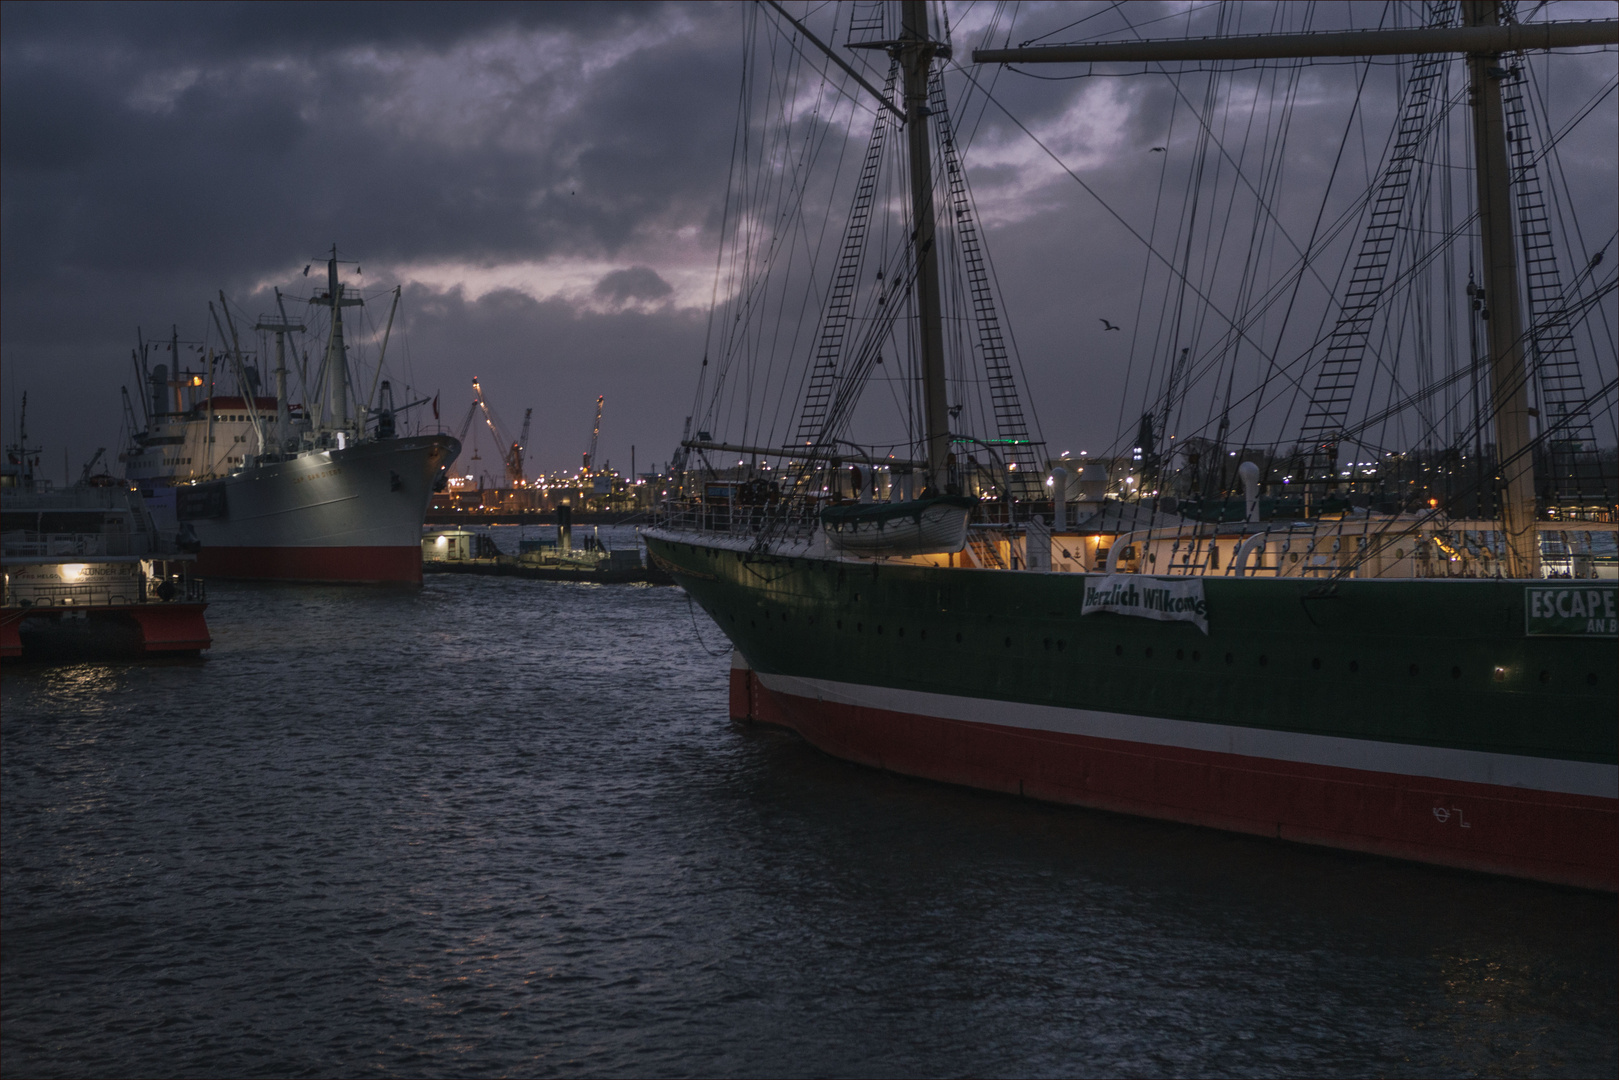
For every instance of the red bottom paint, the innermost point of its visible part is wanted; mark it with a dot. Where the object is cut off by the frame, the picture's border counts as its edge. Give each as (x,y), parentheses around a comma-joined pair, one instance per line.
(362,565)
(10,638)
(1543,836)
(176,628)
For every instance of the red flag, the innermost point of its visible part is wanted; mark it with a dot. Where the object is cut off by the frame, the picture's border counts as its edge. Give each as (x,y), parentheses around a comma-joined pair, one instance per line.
(435,406)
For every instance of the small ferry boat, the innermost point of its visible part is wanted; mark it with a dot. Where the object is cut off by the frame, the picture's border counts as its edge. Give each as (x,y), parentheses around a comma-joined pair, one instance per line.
(87,575)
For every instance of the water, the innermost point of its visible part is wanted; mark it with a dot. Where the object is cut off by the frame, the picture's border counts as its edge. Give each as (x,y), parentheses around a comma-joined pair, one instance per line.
(502,826)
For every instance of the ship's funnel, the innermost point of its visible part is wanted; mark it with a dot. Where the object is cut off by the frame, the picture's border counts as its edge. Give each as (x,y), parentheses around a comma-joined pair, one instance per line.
(1248,472)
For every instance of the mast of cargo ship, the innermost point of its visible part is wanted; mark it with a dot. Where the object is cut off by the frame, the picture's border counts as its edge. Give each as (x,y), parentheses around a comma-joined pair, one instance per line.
(281,327)
(337,368)
(1484,36)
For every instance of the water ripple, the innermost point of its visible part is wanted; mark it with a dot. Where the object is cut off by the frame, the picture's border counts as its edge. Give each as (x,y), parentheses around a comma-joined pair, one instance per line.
(499,827)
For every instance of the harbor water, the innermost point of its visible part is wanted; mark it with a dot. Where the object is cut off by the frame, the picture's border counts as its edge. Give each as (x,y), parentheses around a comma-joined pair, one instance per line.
(497,826)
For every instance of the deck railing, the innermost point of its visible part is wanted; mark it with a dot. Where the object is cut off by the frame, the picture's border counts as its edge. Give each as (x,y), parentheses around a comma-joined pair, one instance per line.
(134,590)
(27,543)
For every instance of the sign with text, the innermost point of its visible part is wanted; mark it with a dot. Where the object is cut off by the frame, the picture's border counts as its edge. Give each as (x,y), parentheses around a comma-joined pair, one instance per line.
(1173,599)
(1571,610)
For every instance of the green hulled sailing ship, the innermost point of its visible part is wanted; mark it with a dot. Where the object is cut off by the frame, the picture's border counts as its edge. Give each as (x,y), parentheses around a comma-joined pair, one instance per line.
(1271,640)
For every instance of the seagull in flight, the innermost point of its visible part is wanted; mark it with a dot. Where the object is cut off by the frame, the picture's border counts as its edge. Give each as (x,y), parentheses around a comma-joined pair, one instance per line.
(1106,326)
(1158,150)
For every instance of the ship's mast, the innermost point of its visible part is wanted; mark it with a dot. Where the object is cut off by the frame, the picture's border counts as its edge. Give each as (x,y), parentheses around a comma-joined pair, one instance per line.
(1509,384)
(1483,38)
(916,51)
(281,327)
(337,363)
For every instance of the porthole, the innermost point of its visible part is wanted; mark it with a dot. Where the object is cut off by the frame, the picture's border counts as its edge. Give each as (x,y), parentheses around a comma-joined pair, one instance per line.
(1230,659)
(1180,654)
(1196,656)
(879,629)
(1455,672)
(1545,676)
(1315,663)
(1118,650)
(1413,669)
(958,638)
(1149,652)
(902,631)
(1008,643)
(1061,645)
(840,624)
(1590,678)
(923,635)
(860,628)
(1046,644)
(1354,666)
(1263,660)
(857,598)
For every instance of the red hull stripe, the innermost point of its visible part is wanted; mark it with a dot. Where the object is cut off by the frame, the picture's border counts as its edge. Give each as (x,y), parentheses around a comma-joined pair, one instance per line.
(368,565)
(1548,836)
(1437,762)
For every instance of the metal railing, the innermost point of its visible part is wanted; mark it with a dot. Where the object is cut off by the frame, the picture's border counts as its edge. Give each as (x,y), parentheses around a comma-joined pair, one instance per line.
(26,543)
(134,590)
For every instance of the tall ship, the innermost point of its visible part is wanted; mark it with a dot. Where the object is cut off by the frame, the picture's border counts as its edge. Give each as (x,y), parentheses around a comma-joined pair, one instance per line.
(1380,617)
(322,487)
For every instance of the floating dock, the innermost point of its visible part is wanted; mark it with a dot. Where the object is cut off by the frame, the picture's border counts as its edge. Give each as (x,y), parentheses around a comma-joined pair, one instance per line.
(461,551)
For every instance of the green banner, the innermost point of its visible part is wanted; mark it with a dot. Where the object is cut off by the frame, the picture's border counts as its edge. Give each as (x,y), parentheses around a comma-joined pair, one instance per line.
(1571,610)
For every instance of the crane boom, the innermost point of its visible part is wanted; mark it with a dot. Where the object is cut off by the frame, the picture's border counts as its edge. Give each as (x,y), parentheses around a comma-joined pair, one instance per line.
(514,456)
(511,449)
(595,432)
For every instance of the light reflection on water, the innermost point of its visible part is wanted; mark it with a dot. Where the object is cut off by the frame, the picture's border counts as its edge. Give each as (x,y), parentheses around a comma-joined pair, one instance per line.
(500,826)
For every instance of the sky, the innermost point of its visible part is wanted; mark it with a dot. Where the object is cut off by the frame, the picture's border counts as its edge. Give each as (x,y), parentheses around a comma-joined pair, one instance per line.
(547,184)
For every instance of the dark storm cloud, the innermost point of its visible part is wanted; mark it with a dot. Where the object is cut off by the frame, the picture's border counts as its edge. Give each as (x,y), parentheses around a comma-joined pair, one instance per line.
(636,283)
(231,30)
(185,132)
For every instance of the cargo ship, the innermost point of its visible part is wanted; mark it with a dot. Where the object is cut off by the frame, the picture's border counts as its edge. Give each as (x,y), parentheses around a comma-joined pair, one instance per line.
(1328,662)
(262,487)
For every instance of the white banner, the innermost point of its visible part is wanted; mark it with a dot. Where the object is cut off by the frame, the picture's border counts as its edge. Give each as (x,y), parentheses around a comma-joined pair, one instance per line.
(1167,599)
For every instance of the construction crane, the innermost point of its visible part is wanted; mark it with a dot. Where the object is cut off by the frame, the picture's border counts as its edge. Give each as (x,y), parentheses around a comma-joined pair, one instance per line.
(595,433)
(512,456)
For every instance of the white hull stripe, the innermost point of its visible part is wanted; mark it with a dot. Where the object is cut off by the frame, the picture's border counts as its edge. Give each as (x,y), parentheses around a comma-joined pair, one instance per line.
(1437,762)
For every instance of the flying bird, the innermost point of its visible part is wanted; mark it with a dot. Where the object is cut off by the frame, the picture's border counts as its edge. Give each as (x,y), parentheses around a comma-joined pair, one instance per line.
(1158,150)
(1106,326)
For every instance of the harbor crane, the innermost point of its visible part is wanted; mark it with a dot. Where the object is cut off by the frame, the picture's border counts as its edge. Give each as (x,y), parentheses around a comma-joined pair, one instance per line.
(512,453)
(595,433)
